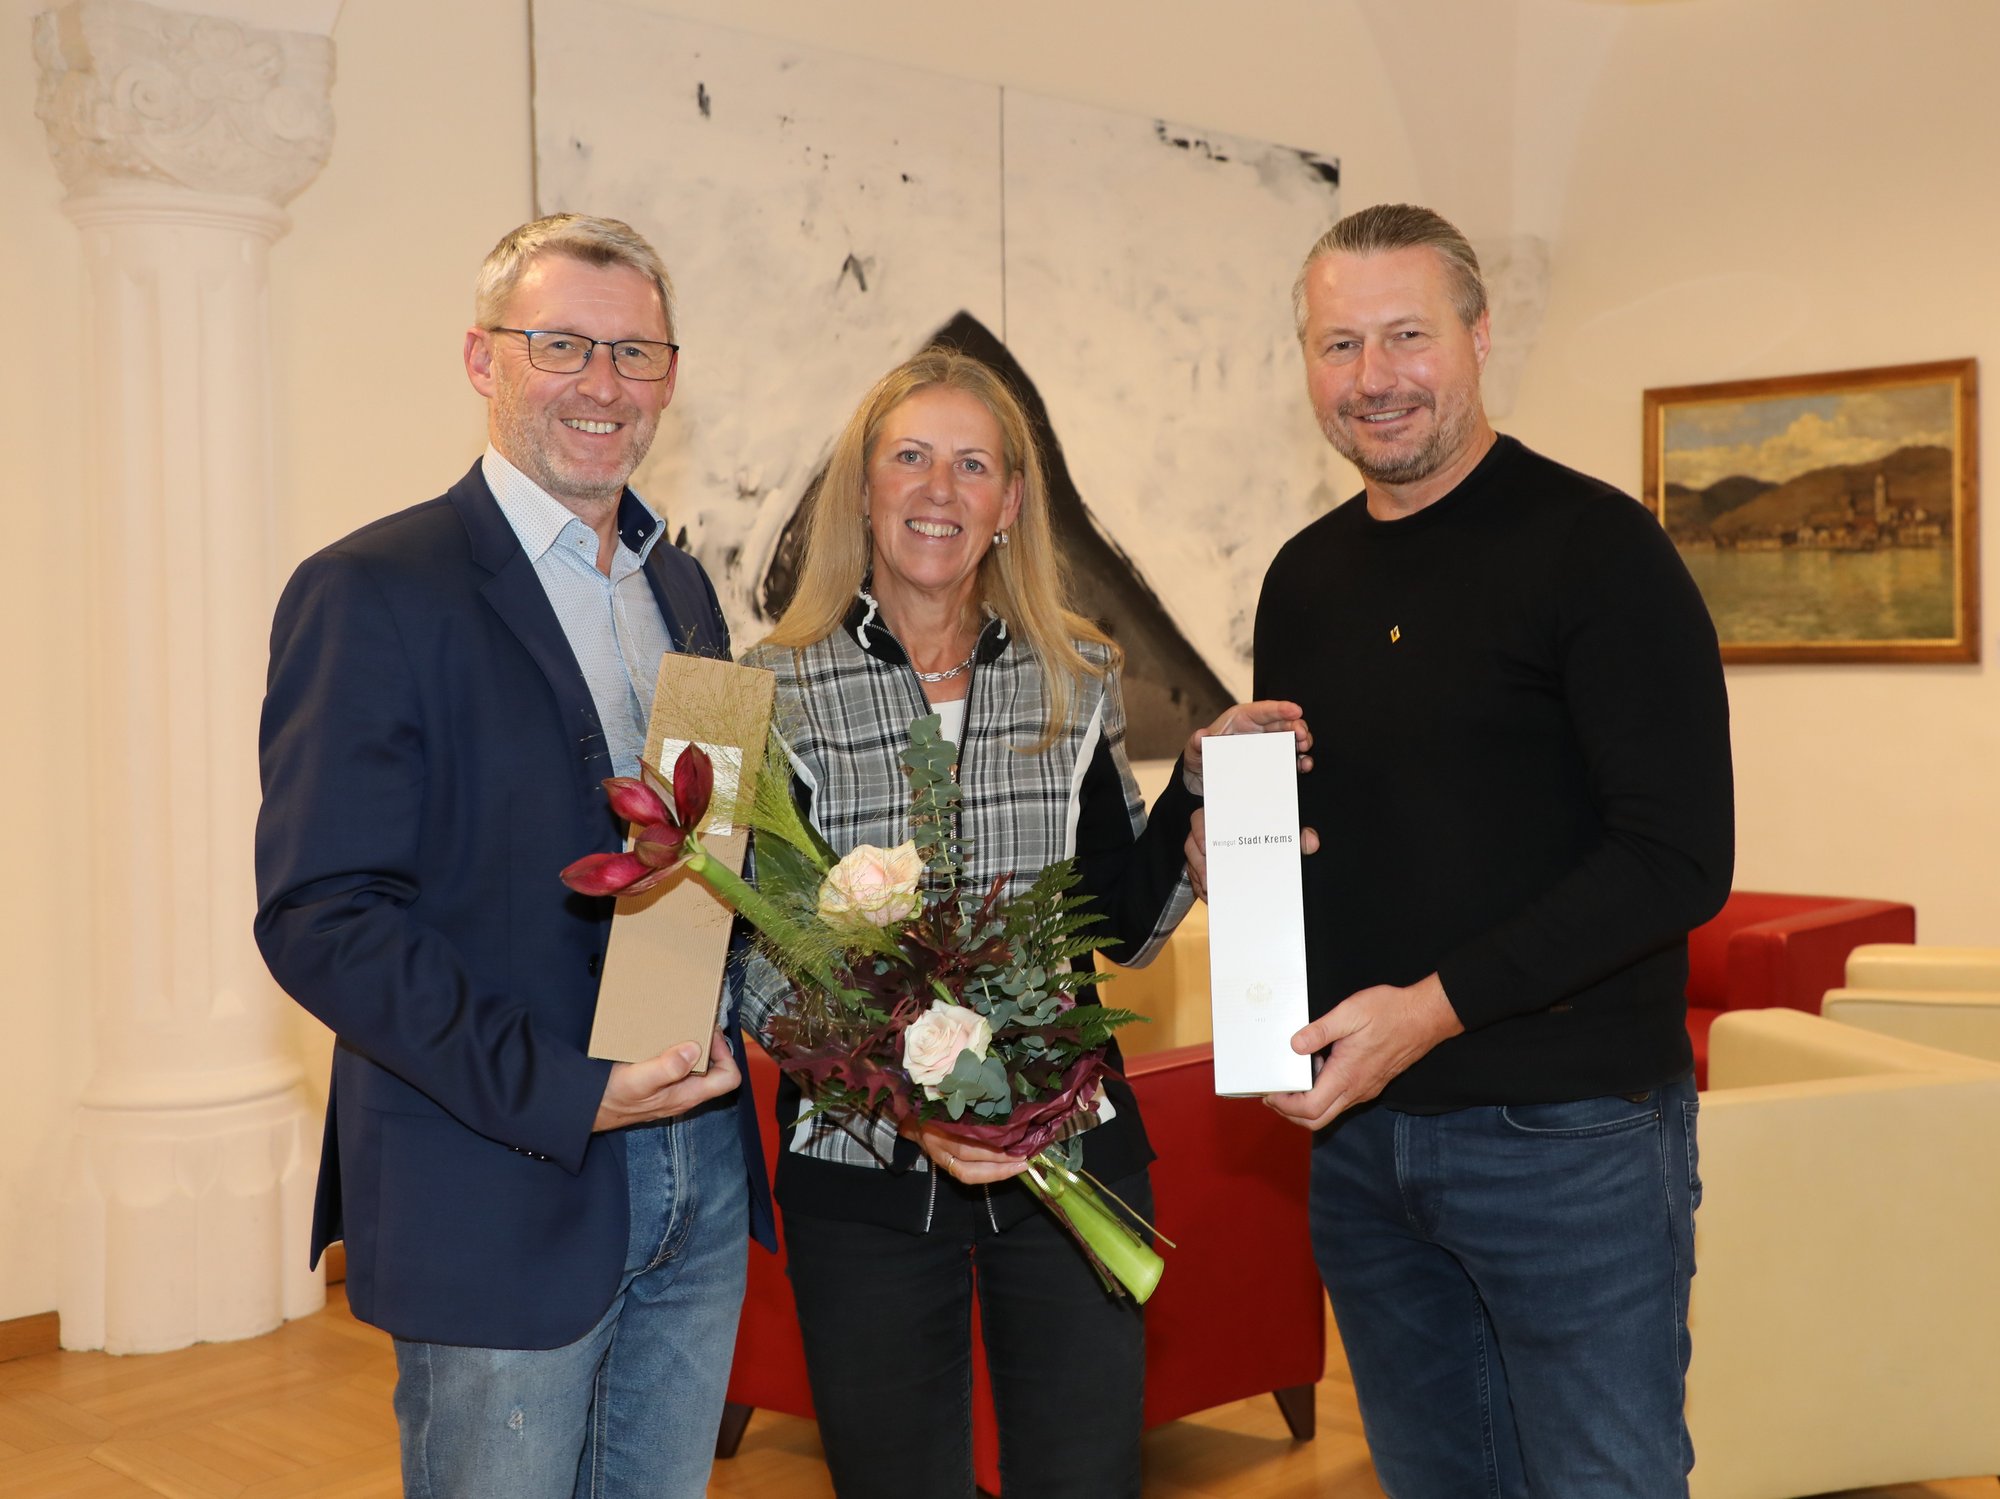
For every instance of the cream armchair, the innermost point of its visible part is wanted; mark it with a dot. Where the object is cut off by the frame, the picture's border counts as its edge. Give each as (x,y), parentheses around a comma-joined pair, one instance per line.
(1948,997)
(1966,1020)
(1904,965)
(1845,1306)
(1171,991)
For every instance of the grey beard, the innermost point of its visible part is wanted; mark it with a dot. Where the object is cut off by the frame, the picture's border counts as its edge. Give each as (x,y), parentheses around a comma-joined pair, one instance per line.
(1420,464)
(1407,470)
(1445,438)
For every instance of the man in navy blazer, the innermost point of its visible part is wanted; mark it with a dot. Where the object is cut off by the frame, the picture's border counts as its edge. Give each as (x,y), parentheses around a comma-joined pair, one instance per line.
(556,1242)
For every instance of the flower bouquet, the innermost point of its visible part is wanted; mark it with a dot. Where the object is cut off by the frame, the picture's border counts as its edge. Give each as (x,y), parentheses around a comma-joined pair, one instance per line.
(915,998)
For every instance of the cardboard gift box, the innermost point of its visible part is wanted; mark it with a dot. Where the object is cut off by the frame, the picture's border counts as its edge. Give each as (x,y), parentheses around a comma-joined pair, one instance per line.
(1256,913)
(663,976)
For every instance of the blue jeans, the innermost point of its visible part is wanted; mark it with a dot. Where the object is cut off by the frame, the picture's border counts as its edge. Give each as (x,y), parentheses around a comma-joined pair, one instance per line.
(1511,1286)
(886,1318)
(629,1410)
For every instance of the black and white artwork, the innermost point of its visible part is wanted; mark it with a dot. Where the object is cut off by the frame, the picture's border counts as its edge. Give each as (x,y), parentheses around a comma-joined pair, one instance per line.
(826,216)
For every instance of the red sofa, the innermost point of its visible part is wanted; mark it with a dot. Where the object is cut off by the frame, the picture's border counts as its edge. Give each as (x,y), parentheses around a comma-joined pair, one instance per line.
(1238,1313)
(1764,950)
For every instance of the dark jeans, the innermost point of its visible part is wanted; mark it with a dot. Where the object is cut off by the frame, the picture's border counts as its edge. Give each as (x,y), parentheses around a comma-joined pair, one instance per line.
(886,1318)
(1511,1286)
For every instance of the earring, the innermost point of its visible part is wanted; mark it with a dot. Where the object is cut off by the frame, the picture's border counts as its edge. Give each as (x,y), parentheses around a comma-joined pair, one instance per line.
(999,538)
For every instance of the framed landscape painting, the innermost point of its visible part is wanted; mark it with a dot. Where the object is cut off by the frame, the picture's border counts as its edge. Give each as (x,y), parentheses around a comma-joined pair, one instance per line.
(1829,517)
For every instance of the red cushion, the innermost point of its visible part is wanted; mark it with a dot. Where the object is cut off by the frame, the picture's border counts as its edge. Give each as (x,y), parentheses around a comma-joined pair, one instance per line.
(1239,1310)
(1766,949)
(769,1371)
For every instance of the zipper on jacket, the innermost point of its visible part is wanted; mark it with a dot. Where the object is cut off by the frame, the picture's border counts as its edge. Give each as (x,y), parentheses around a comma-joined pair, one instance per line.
(930,1206)
(964,763)
(965,730)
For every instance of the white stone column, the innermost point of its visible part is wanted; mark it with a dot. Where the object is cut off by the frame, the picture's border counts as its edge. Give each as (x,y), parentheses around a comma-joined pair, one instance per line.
(179,135)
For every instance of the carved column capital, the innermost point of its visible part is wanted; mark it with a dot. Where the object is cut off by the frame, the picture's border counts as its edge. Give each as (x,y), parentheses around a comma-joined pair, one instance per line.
(133,93)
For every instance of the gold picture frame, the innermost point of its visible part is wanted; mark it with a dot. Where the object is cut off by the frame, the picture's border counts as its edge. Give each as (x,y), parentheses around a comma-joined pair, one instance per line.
(1829,517)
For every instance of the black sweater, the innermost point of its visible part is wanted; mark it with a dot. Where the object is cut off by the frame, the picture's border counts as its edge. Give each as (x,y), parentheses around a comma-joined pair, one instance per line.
(1522,776)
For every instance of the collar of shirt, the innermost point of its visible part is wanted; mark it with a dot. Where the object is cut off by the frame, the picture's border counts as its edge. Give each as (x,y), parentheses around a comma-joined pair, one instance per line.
(540,520)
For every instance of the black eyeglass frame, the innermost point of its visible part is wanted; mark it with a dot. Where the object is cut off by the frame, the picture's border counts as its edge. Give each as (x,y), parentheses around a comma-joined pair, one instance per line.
(590,351)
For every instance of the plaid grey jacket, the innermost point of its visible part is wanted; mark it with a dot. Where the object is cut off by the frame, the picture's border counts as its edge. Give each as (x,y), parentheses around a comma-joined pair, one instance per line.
(844,706)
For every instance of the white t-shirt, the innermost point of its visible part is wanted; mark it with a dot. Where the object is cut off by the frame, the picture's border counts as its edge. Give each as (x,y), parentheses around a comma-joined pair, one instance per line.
(953,719)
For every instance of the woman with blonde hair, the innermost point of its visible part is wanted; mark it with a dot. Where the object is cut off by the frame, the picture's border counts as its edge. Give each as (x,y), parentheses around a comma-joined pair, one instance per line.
(931,582)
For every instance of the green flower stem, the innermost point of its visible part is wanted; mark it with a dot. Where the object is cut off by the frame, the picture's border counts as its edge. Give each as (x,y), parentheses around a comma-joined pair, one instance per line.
(743,897)
(1109,1241)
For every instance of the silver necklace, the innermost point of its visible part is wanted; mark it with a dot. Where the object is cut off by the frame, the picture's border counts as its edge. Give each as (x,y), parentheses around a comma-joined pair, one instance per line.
(949,672)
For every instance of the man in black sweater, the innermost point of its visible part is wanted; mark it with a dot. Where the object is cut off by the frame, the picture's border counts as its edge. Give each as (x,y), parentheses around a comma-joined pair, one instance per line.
(1523,794)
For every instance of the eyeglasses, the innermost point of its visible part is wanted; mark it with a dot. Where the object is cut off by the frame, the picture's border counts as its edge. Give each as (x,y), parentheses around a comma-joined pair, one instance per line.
(567,353)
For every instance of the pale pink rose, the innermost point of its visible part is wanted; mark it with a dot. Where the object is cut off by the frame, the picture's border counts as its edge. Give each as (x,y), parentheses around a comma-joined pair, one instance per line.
(933,1041)
(875,885)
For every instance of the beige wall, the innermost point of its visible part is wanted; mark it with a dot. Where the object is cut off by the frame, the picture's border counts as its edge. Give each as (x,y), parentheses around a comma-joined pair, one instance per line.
(1766,188)
(44,1006)
(1731,188)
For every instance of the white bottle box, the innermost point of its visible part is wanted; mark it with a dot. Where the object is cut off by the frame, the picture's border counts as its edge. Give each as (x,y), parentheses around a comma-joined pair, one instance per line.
(1256,913)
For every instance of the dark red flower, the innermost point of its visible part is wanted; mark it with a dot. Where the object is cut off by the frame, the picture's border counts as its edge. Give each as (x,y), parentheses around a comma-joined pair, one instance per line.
(651,878)
(605,874)
(659,844)
(694,784)
(635,801)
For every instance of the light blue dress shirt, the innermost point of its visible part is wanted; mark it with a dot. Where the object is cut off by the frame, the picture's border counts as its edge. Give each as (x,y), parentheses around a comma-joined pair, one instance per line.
(613,624)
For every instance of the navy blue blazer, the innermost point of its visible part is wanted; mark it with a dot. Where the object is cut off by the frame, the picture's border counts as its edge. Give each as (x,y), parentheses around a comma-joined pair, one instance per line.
(431,758)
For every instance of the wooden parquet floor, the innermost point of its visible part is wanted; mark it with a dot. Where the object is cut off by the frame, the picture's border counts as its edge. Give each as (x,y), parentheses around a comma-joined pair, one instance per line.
(304,1411)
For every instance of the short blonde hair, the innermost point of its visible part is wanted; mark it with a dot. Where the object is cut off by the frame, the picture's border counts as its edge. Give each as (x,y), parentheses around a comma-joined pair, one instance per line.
(1025,582)
(580,236)
(1400,226)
